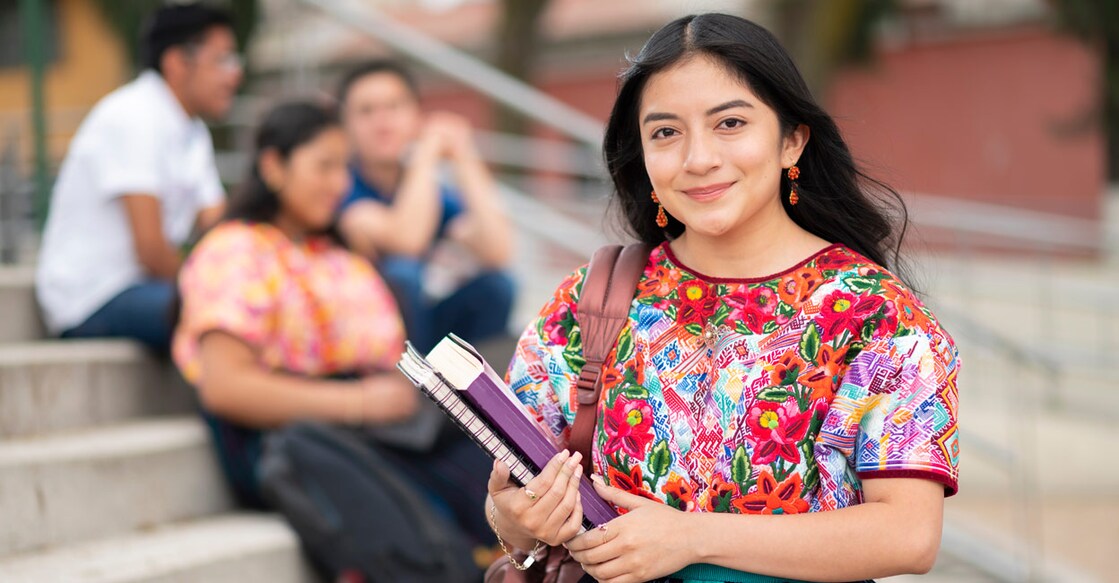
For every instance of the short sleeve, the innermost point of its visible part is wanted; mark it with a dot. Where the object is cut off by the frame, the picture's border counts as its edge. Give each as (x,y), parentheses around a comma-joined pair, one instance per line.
(899,403)
(224,287)
(548,358)
(129,160)
(211,193)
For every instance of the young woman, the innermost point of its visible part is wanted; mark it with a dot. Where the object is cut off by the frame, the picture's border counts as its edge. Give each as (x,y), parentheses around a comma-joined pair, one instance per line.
(280,322)
(779,406)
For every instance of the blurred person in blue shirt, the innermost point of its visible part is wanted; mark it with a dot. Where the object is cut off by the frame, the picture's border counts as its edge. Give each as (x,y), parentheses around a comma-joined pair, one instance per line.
(442,248)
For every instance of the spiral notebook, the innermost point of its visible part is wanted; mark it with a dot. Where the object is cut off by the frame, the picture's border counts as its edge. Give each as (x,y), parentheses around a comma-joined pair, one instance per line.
(472,394)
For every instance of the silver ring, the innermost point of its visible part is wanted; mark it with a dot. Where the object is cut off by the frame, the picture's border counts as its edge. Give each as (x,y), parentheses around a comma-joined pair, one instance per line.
(531,495)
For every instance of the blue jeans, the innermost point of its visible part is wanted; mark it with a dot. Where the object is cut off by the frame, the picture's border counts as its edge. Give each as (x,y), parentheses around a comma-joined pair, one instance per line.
(477,311)
(141,312)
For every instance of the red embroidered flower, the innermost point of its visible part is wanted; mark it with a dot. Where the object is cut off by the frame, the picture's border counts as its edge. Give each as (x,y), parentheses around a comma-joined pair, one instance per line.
(886,321)
(680,493)
(632,482)
(845,311)
(720,494)
(824,378)
(659,283)
(769,497)
(697,303)
(775,430)
(557,326)
(798,285)
(628,427)
(610,378)
(786,369)
(754,308)
(835,259)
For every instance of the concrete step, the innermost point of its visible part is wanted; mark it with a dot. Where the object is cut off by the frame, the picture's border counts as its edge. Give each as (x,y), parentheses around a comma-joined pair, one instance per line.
(226,548)
(19,312)
(81,485)
(55,385)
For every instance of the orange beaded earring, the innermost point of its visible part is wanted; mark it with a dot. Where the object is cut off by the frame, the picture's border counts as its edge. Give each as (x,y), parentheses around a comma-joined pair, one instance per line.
(662,219)
(794,173)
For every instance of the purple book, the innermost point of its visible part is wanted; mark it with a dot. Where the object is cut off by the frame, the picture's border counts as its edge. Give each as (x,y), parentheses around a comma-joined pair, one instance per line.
(472,394)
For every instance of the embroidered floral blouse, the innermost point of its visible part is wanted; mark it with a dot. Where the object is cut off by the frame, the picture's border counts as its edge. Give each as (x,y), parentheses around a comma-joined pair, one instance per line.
(310,308)
(771,395)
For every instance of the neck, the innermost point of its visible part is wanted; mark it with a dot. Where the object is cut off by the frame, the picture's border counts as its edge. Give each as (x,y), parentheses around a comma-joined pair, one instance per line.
(180,97)
(769,243)
(290,227)
(384,176)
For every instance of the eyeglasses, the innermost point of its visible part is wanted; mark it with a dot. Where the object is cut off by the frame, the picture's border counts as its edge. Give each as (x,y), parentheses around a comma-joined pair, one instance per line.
(230,62)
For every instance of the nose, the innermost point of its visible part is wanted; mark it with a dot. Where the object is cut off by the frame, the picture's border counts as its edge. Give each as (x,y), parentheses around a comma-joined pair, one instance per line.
(702,155)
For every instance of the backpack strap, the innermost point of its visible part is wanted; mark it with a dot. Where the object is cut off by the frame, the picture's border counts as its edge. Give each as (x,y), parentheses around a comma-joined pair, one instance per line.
(602,312)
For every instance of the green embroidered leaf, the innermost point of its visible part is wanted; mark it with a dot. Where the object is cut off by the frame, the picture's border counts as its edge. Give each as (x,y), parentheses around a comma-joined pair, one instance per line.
(675,502)
(722,503)
(774,395)
(812,474)
(660,459)
(694,329)
(625,345)
(741,328)
(867,333)
(573,355)
(770,327)
(720,315)
(670,312)
(861,285)
(810,342)
(785,310)
(740,469)
(791,375)
(852,351)
(636,392)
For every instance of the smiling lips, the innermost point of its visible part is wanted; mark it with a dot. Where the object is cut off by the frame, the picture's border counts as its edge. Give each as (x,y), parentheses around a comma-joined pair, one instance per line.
(709,192)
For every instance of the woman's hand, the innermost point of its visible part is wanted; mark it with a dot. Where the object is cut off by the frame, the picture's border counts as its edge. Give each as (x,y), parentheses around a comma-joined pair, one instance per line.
(547,509)
(386,398)
(647,542)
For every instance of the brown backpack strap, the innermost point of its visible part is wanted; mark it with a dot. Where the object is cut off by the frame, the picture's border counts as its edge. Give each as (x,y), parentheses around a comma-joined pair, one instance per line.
(602,312)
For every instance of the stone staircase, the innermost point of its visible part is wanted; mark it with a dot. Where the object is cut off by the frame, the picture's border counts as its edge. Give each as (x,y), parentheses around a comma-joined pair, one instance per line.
(106,472)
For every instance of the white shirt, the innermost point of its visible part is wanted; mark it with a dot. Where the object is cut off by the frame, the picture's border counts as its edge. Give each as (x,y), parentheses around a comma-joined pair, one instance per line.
(136,140)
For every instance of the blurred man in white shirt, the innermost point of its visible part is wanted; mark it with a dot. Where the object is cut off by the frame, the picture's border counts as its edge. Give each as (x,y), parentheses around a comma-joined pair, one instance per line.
(139,176)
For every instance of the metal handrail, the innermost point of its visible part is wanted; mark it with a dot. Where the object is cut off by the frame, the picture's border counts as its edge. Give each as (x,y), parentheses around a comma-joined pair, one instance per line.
(469,71)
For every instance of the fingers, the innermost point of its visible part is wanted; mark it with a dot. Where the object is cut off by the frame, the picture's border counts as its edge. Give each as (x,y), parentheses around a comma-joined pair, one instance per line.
(543,481)
(499,477)
(601,549)
(559,488)
(545,514)
(611,571)
(618,497)
(574,521)
(567,505)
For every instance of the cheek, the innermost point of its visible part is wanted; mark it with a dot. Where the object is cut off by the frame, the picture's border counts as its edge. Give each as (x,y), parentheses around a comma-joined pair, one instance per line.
(759,164)
(662,166)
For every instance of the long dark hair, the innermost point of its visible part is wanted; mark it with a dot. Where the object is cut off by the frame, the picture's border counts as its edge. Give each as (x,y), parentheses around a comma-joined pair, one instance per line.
(285,128)
(838,202)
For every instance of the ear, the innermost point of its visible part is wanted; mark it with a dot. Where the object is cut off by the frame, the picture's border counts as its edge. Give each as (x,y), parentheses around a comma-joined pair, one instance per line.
(173,62)
(793,145)
(272,169)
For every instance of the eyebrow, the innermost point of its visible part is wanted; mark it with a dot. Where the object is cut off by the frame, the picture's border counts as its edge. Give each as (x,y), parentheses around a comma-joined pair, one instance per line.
(657,116)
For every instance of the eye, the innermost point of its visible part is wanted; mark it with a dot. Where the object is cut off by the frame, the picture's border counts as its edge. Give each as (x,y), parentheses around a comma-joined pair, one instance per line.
(732,123)
(663,133)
